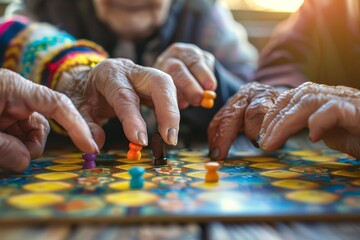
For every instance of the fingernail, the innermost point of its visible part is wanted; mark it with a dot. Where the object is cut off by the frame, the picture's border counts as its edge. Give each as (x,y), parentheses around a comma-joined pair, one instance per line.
(215,153)
(95,146)
(255,143)
(172,136)
(142,138)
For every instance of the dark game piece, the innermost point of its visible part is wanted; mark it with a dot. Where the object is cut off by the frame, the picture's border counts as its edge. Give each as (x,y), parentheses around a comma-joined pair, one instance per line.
(89,162)
(158,148)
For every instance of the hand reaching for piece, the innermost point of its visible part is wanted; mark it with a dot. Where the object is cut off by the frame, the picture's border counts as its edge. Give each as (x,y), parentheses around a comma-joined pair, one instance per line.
(243,112)
(331,113)
(192,70)
(115,88)
(23,130)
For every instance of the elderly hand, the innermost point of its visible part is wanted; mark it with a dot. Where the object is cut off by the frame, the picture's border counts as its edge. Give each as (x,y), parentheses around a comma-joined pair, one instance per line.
(331,114)
(115,87)
(243,112)
(23,131)
(191,70)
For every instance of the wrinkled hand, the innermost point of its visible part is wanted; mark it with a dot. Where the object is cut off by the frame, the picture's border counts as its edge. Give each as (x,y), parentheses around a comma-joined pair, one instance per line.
(331,113)
(23,131)
(243,112)
(192,70)
(114,88)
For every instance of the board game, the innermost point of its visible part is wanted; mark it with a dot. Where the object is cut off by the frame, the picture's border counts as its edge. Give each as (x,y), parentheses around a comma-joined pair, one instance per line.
(284,185)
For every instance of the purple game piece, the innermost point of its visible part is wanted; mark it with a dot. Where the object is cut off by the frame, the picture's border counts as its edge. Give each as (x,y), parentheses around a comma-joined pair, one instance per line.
(89,162)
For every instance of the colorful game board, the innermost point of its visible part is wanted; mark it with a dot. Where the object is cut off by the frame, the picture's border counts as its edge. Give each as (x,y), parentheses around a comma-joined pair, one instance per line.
(288,184)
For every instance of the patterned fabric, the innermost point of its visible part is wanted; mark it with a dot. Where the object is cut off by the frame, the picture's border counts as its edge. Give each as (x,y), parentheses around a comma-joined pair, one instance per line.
(40,52)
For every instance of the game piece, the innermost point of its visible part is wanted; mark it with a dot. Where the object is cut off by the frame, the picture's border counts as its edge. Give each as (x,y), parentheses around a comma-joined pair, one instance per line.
(212,175)
(158,149)
(134,152)
(89,160)
(208,99)
(136,181)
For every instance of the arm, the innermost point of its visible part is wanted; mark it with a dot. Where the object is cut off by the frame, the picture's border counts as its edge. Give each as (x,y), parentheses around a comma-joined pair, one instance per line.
(289,56)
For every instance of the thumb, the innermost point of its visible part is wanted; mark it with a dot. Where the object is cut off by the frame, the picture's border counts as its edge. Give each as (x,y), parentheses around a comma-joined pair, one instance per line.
(14,154)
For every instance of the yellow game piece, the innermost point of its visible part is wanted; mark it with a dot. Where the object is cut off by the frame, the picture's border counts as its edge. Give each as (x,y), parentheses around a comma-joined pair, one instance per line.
(134,152)
(212,175)
(42,187)
(55,176)
(208,99)
(35,200)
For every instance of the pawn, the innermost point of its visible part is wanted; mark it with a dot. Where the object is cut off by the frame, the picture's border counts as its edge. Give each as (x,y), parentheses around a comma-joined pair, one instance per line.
(208,99)
(136,181)
(89,160)
(134,152)
(211,175)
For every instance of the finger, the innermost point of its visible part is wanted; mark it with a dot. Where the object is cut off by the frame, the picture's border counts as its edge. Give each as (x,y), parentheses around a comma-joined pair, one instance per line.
(333,114)
(255,112)
(194,59)
(32,97)
(33,131)
(97,131)
(288,123)
(184,81)
(14,154)
(163,95)
(182,101)
(225,126)
(122,97)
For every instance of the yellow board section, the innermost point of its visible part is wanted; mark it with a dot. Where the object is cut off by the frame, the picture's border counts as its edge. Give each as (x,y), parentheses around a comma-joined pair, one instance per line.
(319,158)
(304,153)
(347,173)
(196,166)
(126,185)
(281,174)
(64,168)
(312,197)
(128,166)
(192,154)
(35,200)
(335,165)
(260,159)
(221,185)
(126,175)
(69,161)
(42,187)
(201,175)
(195,159)
(56,176)
(295,184)
(72,155)
(125,160)
(268,166)
(132,198)
(356,182)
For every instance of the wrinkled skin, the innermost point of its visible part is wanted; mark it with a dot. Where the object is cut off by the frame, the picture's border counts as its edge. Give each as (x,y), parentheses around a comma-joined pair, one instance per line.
(191,69)
(244,112)
(115,88)
(23,130)
(331,114)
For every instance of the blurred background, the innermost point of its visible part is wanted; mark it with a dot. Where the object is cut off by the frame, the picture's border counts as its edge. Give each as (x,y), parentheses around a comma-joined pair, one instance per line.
(259,17)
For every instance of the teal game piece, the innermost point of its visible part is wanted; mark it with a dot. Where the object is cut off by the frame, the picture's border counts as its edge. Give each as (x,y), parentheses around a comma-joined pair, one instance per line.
(136,181)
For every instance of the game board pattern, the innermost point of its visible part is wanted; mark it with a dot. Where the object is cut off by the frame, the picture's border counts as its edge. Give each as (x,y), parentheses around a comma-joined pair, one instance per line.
(290,183)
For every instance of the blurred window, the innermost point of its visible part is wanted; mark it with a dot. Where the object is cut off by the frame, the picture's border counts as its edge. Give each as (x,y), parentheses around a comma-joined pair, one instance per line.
(264,5)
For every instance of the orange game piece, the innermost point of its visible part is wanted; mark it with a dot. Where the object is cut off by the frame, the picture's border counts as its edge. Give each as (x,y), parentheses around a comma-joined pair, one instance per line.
(212,175)
(134,152)
(208,99)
